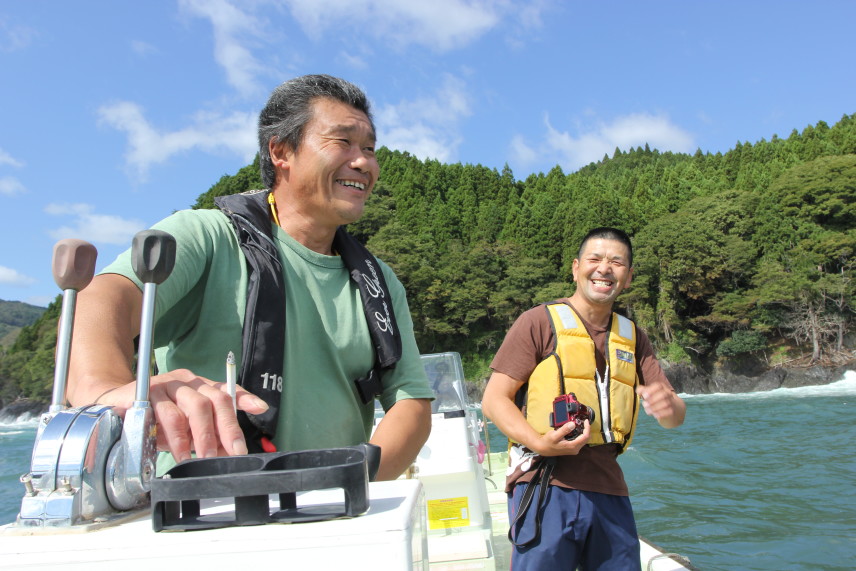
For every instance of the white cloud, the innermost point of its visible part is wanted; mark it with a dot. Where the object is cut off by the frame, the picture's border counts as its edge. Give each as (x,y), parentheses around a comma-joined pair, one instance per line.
(625,133)
(426,127)
(440,25)
(235,31)
(8,276)
(92,227)
(240,28)
(523,152)
(525,21)
(142,48)
(242,47)
(11,186)
(13,38)
(530,14)
(235,34)
(353,61)
(7,159)
(210,132)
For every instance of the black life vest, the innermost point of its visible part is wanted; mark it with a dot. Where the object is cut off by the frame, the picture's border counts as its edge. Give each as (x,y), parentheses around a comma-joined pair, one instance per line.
(263,334)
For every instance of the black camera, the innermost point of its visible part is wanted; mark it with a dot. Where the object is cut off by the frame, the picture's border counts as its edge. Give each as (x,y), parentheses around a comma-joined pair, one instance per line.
(566,408)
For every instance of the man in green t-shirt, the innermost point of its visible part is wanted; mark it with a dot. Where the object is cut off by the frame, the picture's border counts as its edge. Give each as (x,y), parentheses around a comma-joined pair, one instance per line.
(317,158)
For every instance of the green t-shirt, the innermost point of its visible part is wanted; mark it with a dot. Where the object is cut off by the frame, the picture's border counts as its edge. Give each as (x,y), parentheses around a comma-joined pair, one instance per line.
(199,318)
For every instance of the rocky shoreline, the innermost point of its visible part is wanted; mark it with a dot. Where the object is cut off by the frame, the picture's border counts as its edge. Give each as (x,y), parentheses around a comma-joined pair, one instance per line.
(22,410)
(745,377)
(692,380)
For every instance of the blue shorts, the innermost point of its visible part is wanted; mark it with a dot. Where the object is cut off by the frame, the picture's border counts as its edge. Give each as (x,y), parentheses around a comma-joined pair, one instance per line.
(581,529)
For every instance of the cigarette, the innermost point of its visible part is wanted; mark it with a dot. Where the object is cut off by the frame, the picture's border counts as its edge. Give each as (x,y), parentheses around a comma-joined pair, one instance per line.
(231,380)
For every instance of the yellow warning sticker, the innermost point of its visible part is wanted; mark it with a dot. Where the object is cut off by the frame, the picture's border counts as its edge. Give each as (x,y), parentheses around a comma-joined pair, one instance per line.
(448,512)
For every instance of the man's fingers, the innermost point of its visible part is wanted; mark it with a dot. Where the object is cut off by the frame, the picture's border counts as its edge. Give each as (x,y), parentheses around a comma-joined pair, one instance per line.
(173,430)
(217,427)
(653,401)
(566,429)
(230,435)
(583,437)
(657,402)
(245,400)
(209,421)
(557,445)
(250,403)
(200,419)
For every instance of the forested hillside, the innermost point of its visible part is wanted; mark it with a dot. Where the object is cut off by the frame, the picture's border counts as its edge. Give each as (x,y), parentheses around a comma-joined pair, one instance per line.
(26,368)
(747,252)
(744,254)
(13,316)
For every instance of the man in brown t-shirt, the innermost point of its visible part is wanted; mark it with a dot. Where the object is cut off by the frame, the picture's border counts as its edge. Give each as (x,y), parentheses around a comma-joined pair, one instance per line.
(586,519)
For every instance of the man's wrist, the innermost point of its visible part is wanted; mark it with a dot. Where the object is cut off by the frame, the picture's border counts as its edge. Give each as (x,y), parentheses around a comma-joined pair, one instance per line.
(102,395)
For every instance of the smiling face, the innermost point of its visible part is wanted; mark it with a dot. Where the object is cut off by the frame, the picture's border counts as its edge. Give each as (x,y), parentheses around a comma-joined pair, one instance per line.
(326,182)
(601,273)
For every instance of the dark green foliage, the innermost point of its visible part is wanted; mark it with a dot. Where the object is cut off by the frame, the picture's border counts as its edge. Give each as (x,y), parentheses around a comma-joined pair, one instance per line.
(26,368)
(248,178)
(693,268)
(807,232)
(735,253)
(705,228)
(741,342)
(819,192)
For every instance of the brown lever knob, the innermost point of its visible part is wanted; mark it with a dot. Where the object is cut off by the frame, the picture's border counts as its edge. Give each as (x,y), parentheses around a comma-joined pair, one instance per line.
(73,263)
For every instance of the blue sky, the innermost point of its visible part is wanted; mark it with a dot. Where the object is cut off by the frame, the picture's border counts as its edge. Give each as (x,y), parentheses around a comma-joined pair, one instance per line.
(114,113)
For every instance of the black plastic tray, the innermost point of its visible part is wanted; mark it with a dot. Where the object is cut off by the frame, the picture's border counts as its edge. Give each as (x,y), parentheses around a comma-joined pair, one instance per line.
(249,480)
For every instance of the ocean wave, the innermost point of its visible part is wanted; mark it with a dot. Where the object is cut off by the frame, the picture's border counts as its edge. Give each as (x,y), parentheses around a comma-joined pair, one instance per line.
(4,431)
(845,387)
(23,421)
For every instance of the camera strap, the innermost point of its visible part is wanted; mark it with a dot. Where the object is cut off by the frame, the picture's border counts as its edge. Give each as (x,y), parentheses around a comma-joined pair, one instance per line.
(540,478)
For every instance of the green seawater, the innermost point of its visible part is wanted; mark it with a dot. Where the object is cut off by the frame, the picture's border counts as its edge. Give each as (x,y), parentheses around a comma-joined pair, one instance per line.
(759,481)
(16,446)
(755,481)
(752,481)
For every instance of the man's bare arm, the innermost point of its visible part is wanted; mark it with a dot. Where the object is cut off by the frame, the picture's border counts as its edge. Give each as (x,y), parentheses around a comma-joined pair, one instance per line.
(193,413)
(498,405)
(106,321)
(401,433)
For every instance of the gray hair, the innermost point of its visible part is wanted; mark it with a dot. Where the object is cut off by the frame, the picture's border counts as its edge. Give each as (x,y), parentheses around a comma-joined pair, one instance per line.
(289,109)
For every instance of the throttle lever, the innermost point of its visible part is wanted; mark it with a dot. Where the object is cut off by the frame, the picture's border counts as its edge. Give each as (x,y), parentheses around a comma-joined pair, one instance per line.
(131,465)
(73,267)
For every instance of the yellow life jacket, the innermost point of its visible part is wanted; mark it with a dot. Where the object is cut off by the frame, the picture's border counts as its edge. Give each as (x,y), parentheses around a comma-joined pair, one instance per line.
(571,368)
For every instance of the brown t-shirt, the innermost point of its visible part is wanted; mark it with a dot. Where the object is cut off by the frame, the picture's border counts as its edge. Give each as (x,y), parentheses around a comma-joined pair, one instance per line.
(529,341)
